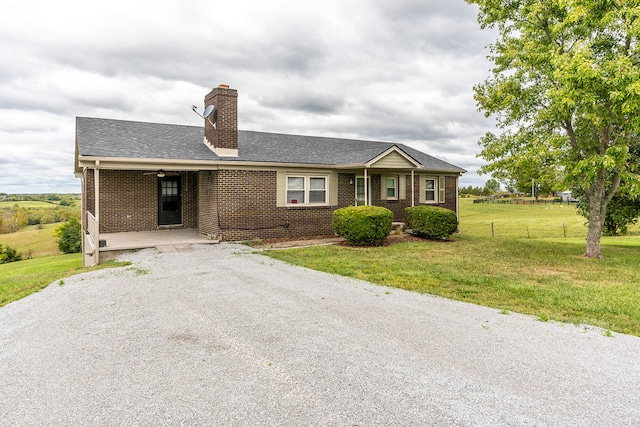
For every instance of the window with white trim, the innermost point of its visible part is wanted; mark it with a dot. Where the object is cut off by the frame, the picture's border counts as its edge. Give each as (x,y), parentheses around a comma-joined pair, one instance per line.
(307,190)
(295,190)
(317,189)
(392,187)
(430,190)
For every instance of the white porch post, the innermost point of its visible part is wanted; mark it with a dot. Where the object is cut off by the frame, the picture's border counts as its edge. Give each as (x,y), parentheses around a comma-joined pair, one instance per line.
(96,183)
(413,188)
(366,189)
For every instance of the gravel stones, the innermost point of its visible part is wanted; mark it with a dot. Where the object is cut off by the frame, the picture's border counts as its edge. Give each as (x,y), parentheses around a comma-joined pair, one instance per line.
(219,335)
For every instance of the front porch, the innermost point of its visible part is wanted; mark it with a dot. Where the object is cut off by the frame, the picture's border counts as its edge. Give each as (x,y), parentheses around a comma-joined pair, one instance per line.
(169,239)
(152,239)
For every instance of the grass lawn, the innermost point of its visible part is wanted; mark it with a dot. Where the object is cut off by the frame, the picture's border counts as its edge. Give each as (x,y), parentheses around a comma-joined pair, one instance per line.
(546,277)
(22,278)
(39,240)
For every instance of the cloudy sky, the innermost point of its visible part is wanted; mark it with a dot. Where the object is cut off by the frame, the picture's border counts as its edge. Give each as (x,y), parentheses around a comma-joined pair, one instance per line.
(399,71)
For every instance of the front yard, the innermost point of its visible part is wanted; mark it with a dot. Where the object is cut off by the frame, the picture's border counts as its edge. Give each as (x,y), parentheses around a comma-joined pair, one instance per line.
(547,277)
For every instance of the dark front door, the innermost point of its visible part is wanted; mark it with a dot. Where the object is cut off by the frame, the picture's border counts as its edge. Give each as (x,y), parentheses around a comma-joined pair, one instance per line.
(169,200)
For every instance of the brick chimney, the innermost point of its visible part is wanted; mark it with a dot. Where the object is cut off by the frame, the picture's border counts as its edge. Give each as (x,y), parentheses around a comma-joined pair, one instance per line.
(221,127)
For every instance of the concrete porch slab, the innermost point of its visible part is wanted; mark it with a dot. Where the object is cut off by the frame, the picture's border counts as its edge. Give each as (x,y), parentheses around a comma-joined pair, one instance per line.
(179,239)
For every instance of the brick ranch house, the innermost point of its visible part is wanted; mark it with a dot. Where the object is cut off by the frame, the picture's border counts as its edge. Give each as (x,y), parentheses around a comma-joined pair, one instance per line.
(230,184)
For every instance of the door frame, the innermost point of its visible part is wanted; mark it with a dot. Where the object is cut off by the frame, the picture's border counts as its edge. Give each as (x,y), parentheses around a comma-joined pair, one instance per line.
(367,189)
(168,218)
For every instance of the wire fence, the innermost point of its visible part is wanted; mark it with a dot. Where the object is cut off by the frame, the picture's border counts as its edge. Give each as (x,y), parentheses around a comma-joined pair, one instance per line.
(564,229)
(525,202)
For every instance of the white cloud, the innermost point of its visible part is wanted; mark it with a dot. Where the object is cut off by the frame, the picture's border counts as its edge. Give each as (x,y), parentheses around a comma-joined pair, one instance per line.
(395,71)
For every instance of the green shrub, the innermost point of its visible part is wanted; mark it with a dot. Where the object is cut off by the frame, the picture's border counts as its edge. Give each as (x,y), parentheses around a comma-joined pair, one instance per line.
(69,236)
(431,222)
(9,254)
(362,225)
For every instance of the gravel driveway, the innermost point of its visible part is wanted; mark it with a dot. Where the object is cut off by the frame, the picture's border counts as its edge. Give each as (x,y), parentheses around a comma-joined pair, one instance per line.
(220,336)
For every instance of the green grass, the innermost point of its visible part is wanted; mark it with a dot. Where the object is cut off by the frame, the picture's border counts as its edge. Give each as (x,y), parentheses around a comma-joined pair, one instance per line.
(22,278)
(526,221)
(28,204)
(40,241)
(545,277)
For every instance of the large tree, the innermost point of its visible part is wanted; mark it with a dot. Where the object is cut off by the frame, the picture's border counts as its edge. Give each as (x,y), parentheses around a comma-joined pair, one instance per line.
(566,86)
(492,186)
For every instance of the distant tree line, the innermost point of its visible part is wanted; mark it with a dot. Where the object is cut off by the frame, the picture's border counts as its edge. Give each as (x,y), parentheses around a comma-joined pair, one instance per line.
(62,199)
(490,188)
(16,217)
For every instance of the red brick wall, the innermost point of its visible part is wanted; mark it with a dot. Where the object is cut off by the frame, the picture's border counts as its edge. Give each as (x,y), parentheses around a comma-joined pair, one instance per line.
(207,211)
(225,134)
(129,200)
(450,199)
(189,199)
(247,208)
(398,206)
(245,205)
(395,206)
(346,189)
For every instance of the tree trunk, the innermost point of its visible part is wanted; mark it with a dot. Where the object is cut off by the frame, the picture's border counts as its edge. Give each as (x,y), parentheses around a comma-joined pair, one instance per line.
(596,221)
(597,210)
(599,198)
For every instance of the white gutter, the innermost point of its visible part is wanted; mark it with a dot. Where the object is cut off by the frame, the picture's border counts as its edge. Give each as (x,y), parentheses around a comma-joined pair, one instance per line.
(130,163)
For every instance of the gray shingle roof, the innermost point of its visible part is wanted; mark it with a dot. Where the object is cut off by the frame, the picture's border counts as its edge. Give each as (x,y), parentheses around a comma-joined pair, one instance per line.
(127,139)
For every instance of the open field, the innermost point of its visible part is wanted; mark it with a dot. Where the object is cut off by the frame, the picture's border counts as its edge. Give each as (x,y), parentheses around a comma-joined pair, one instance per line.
(544,277)
(36,239)
(29,204)
(525,221)
(33,240)
(22,278)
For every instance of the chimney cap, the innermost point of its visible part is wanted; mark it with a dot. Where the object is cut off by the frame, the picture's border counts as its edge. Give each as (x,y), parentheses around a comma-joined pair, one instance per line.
(223,86)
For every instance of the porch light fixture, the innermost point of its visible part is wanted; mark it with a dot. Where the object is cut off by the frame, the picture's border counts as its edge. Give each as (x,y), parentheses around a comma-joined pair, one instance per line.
(160,174)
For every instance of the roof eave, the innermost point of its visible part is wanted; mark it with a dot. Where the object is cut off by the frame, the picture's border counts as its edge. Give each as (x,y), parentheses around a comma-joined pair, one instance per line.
(132,163)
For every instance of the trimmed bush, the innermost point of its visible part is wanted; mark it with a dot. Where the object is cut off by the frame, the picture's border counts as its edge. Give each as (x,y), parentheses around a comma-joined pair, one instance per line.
(431,222)
(362,225)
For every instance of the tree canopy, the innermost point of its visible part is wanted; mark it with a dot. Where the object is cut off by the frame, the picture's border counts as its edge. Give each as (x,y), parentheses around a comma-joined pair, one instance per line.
(565,91)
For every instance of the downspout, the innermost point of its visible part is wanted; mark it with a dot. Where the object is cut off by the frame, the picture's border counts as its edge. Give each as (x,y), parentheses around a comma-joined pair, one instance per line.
(96,178)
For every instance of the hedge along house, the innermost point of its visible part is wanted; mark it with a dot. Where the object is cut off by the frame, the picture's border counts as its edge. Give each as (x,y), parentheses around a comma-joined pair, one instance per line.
(227,184)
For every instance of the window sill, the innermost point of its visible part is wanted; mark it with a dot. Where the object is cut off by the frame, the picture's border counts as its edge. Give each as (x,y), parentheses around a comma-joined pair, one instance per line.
(301,206)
